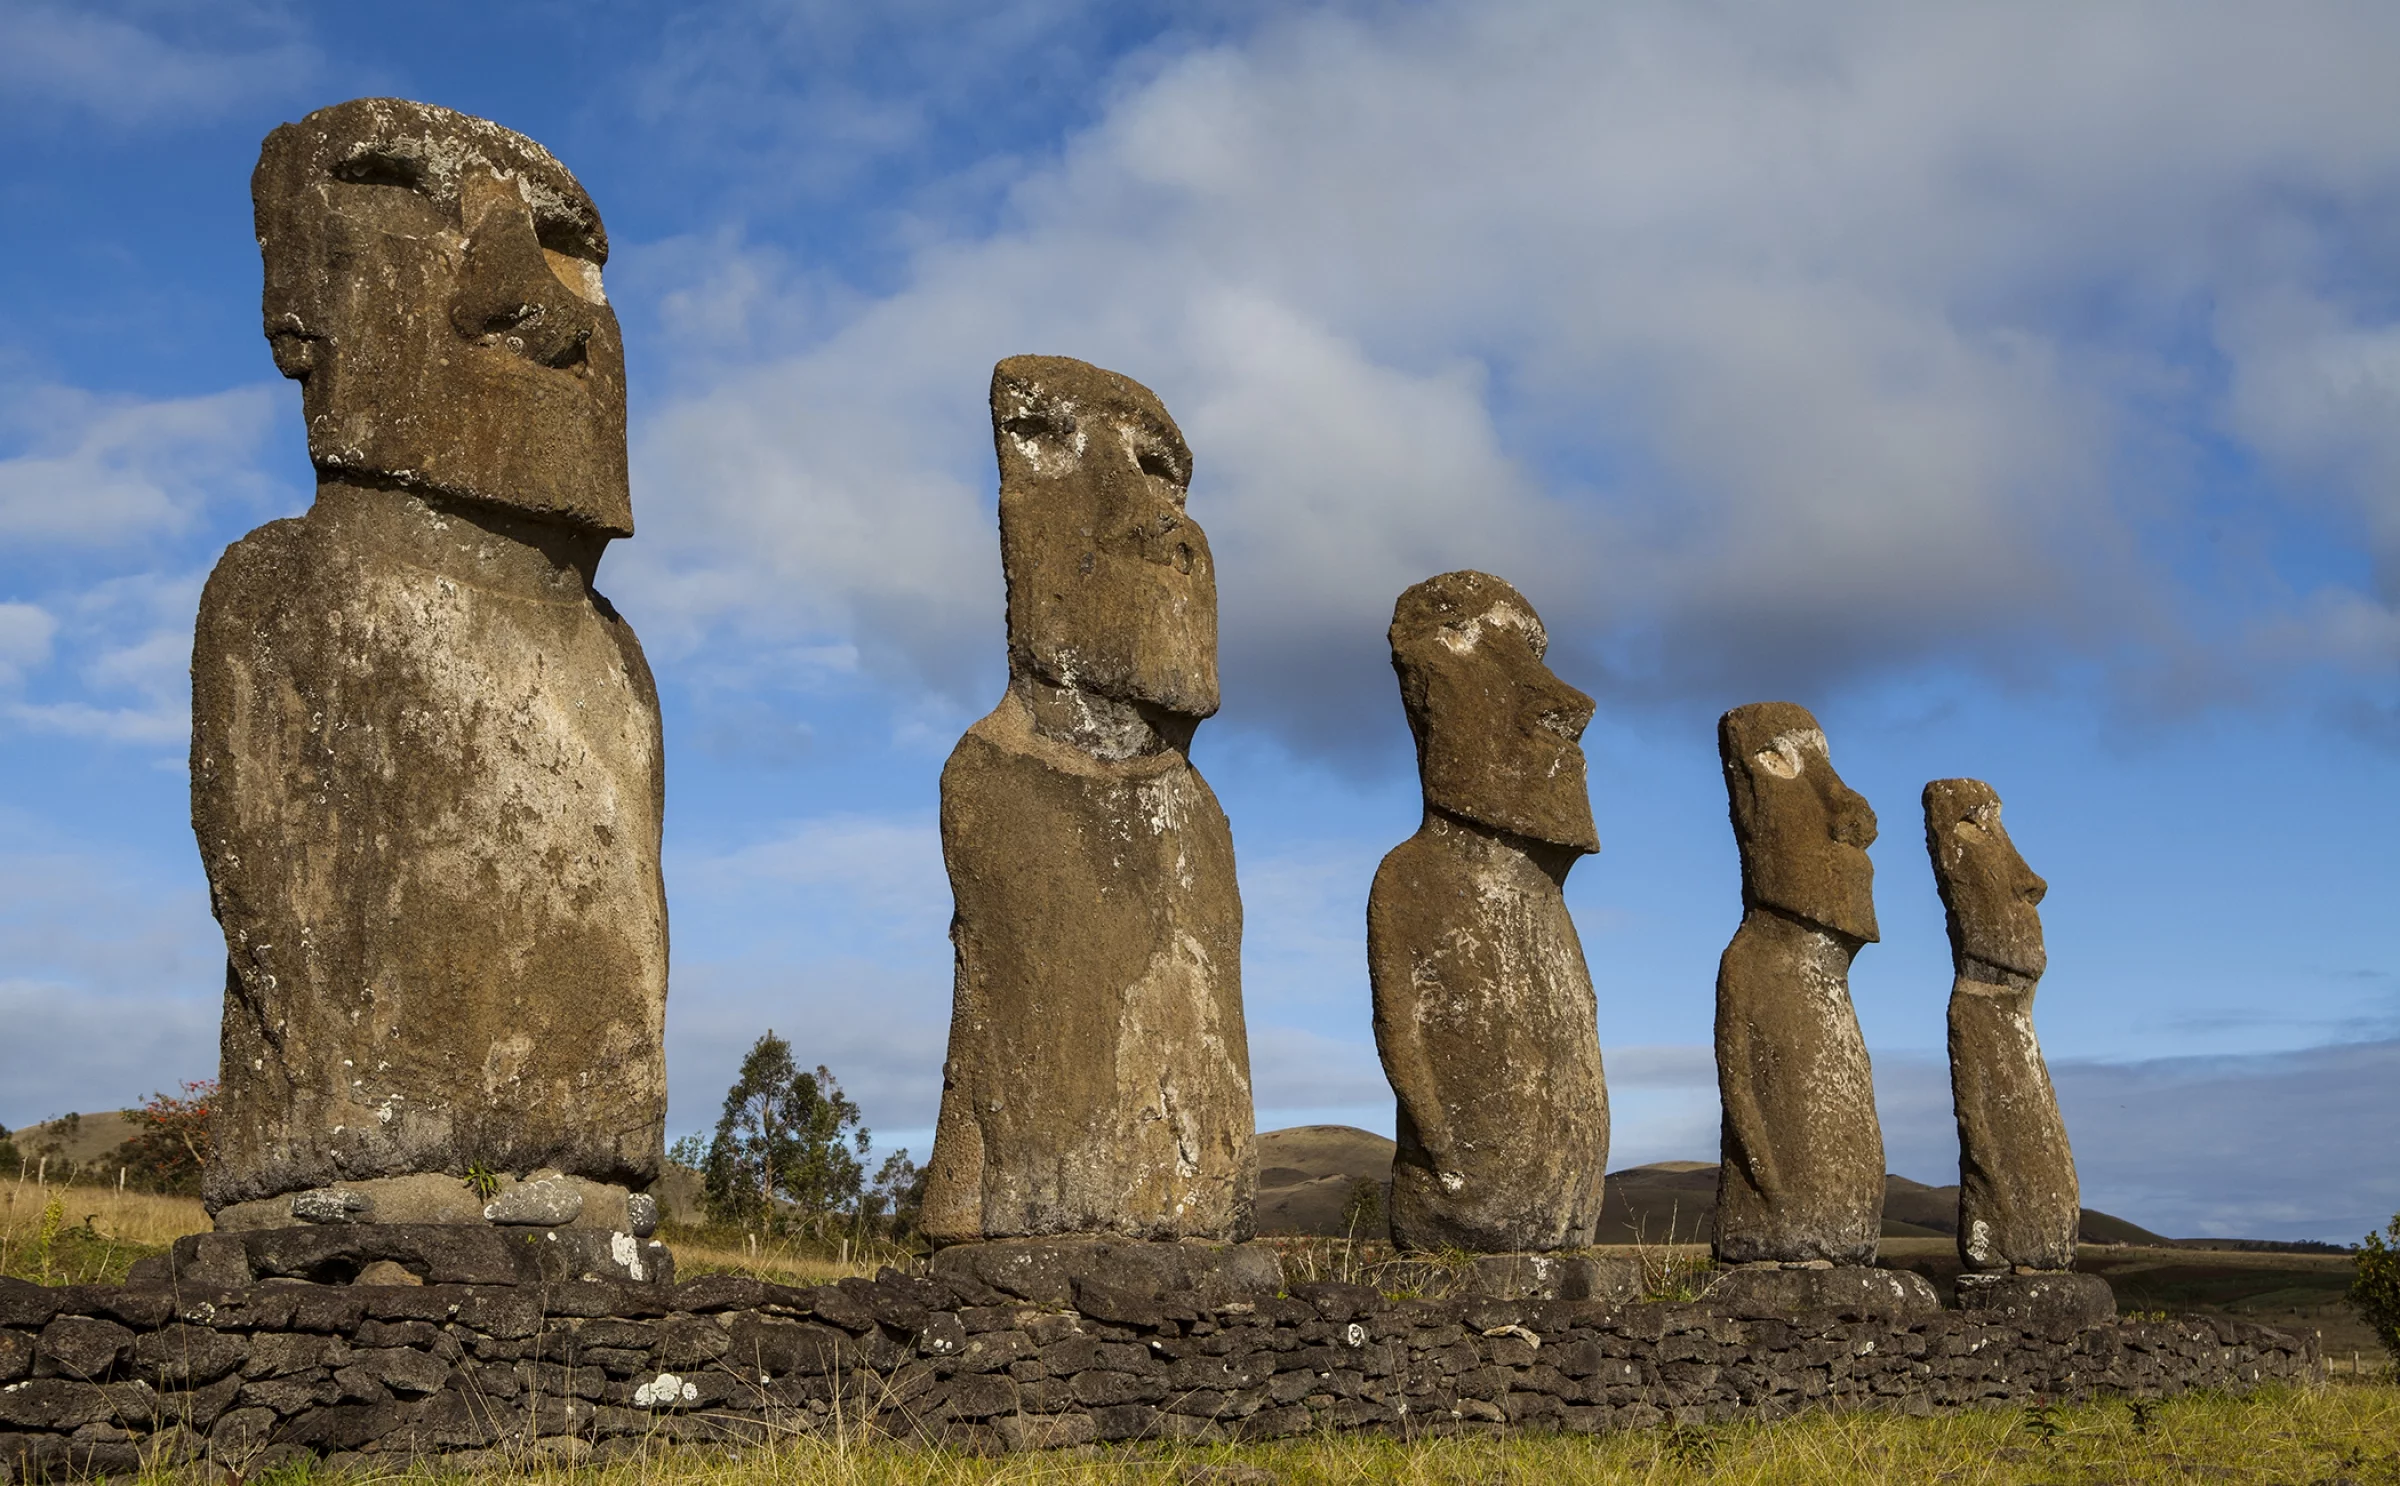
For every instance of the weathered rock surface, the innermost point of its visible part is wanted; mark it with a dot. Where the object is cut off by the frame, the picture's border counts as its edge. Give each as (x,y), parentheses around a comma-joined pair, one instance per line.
(2044,1299)
(569,1373)
(1484,1015)
(426,773)
(2019,1205)
(1802,1172)
(1098,1078)
(1851,1291)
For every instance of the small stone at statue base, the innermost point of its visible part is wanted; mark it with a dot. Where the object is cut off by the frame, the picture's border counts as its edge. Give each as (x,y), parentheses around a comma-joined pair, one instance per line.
(1854,1291)
(1072,1271)
(2081,1299)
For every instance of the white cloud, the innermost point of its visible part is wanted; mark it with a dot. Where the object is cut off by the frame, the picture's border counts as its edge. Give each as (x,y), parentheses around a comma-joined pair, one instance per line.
(132,637)
(94,471)
(25,632)
(132,68)
(1762,349)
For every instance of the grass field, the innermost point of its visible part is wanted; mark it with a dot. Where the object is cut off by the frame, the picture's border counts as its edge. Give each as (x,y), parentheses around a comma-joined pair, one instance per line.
(2329,1435)
(78,1235)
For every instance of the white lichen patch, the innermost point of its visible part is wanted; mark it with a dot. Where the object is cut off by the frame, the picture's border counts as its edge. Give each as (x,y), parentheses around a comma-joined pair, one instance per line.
(1788,754)
(664,1391)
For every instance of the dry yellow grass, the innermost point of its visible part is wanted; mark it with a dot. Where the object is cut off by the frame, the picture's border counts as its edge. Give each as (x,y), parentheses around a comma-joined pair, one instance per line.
(86,1235)
(2336,1433)
(700,1251)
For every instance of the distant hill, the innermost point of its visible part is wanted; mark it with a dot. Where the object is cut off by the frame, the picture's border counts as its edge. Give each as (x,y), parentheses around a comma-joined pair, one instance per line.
(71,1140)
(1306,1175)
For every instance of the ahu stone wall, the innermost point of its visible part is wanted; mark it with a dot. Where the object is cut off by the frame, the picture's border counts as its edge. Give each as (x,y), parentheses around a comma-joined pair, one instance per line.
(97,1379)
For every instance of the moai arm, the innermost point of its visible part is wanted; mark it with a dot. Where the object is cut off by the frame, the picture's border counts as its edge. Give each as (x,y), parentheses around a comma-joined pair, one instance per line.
(1399,1030)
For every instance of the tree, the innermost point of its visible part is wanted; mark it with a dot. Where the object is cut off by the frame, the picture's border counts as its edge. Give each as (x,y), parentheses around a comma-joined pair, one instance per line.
(898,1194)
(172,1145)
(2375,1289)
(787,1150)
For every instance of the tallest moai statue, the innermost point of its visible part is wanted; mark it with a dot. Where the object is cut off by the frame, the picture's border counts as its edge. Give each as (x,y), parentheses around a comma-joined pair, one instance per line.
(425,765)
(1098,1078)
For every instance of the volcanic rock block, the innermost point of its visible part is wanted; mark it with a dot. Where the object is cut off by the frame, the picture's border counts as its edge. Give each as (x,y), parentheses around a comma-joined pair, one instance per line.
(1484,1014)
(2019,1204)
(426,770)
(1851,1291)
(1098,1078)
(1801,1178)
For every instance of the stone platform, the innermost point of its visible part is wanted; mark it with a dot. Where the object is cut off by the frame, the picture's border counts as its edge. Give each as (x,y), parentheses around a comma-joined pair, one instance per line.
(245,1376)
(407,1254)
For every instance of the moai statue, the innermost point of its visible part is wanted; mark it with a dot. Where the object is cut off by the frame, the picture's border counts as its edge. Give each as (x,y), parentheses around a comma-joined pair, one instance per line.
(1098,1079)
(425,761)
(1802,1173)
(2018,1206)
(1483,1006)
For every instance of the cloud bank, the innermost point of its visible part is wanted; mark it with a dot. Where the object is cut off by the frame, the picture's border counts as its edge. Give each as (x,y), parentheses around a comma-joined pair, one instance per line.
(1767,351)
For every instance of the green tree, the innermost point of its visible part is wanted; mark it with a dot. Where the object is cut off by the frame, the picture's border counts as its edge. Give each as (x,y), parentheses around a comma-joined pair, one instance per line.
(2375,1289)
(898,1194)
(786,1155)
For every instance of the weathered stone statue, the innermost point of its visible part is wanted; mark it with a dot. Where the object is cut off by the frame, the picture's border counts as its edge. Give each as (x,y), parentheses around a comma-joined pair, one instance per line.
(425,752)
(1098,1080)
(1483,1006)
(1802,1173)
(2018,1206)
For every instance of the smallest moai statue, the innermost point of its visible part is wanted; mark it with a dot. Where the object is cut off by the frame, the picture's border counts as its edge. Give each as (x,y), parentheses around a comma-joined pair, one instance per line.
(2018,1205)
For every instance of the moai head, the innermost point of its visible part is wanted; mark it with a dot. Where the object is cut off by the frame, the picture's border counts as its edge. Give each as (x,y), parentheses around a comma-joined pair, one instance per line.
(1992,898)
(1496,732)
(1111,590)
(1803,833)
(433,283)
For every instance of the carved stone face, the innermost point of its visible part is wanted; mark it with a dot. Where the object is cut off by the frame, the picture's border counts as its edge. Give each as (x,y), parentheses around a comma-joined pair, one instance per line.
(1497,733)
(433,282)
(1803,833)
(1111,589)
(1993,898)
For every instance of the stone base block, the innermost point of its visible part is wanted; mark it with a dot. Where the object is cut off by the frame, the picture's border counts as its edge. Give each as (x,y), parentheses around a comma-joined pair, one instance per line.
(1069,1271)
(2039,1299)
(539,1199)
(410,1254)
(1851,1291)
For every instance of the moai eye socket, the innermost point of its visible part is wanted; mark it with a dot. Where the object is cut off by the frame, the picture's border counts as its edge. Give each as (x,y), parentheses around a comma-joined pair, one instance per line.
(376,167)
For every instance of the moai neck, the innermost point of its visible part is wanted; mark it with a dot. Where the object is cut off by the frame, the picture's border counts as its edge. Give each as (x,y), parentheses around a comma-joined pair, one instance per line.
(473,541)
(1475,838)
(1107,729)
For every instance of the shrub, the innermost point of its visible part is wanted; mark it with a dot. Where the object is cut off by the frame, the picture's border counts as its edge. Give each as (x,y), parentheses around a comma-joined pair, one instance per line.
(2375,1290)
(173,1145)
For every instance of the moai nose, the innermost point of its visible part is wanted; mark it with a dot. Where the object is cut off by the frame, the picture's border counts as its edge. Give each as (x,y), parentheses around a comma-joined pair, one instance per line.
(1853,817)
(507,293)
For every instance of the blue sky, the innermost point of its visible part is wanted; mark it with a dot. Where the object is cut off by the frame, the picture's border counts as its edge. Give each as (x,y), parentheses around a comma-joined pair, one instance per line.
(2018,388)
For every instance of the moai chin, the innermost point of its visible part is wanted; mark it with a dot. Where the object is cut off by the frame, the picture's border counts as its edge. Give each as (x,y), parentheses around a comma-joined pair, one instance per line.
(1484,1013)
(1802,1174)
(426,771)
(1098,1078)
(2018,1203)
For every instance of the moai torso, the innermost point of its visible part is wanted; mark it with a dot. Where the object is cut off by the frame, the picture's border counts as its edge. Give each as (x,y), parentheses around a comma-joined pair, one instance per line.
(1484,1015)
(2018,1202)
(1801,1178)
(1098,1077)
(426,768)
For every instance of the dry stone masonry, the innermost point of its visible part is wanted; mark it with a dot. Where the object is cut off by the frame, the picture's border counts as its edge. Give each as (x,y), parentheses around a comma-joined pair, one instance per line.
(1802,1175)
(212,1367)
(426,772)
(1098,1078)
(2018,1202)
(1484,1014)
